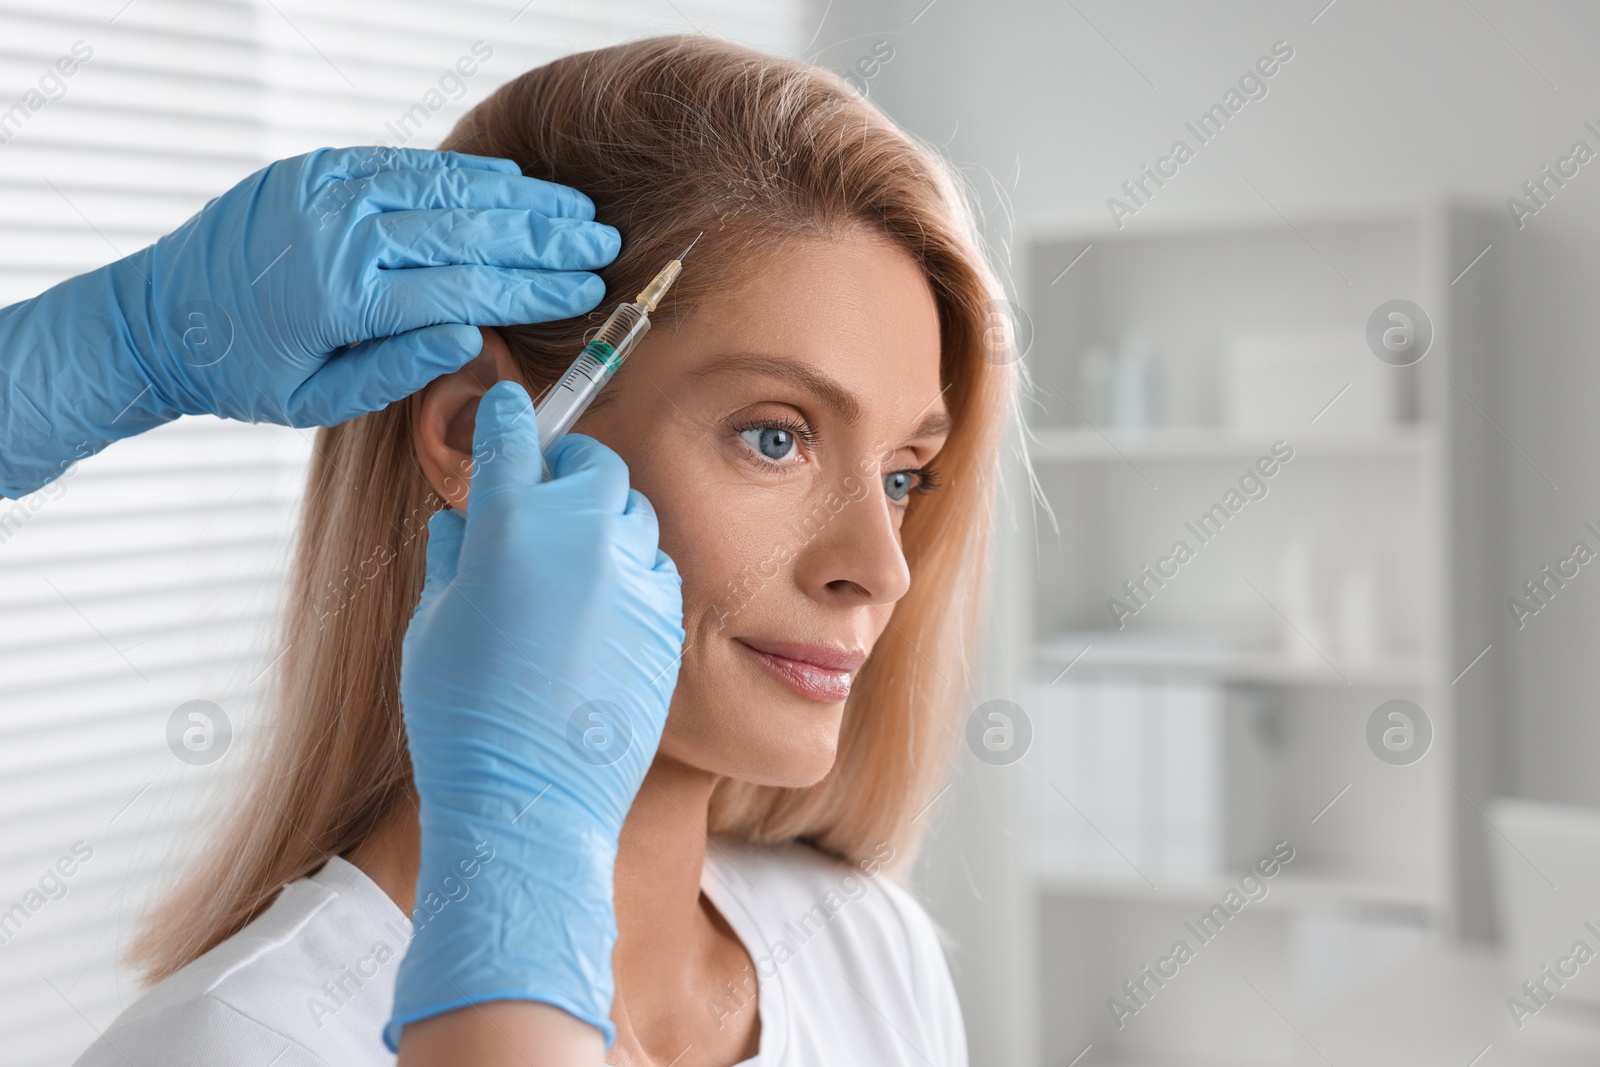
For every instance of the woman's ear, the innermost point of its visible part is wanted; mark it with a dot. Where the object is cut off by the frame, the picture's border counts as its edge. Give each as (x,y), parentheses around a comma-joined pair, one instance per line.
(444,412)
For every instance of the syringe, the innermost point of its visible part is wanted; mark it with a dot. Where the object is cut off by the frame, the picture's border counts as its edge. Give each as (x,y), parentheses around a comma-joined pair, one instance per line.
(558,409)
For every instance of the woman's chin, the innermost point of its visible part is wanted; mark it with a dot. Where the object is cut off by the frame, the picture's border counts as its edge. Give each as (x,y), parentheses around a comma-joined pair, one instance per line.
(791,748)
(792,768)
(785,766)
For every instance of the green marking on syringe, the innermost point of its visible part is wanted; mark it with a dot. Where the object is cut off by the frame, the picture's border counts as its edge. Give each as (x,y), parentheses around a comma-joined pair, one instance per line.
(604,353)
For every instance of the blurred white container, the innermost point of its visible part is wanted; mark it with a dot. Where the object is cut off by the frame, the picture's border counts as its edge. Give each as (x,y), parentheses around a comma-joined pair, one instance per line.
(1281,381)
(1126,779)
(1302,597)
(1136,391)
(1094,385)
(1360,608)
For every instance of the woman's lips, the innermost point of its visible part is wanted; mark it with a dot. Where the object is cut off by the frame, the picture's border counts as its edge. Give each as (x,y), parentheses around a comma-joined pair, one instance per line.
(816,671)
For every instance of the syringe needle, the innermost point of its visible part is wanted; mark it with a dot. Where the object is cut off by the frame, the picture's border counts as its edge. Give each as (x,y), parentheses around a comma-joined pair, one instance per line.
(692,243)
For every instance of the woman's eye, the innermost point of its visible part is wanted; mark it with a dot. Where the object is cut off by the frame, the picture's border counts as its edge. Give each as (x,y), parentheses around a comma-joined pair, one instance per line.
(899,483)
(773,443)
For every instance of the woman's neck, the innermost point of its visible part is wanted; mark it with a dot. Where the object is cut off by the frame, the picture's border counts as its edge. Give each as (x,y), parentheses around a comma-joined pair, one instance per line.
(659,859)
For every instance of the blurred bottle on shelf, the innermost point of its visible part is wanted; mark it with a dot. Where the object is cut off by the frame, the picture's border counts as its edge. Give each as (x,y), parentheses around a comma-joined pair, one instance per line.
(1121,393)
(1136,384)
(1360,612)
(1301,581)
(1094,385)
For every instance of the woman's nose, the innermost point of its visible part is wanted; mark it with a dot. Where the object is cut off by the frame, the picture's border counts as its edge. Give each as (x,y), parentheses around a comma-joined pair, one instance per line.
(854,555)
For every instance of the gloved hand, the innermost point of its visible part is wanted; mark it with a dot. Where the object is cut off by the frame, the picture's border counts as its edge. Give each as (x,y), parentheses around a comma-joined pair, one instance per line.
(534,681)
(242,310)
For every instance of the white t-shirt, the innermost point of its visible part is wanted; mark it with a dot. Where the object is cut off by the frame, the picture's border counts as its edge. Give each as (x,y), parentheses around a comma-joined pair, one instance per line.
(849,971)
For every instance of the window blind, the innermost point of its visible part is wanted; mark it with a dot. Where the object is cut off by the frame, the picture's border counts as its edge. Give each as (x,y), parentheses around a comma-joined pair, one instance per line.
(150,577)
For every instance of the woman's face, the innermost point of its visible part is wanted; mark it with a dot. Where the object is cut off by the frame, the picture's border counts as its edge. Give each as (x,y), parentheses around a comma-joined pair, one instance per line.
(778,431)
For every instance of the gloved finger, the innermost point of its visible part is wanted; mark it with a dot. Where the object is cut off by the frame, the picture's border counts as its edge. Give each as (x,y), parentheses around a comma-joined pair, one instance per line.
(455,187)
(590,471)
(445,530)
(402,300)
(641,529)
(497,236)
(374,374)
(505,454)
(366,161)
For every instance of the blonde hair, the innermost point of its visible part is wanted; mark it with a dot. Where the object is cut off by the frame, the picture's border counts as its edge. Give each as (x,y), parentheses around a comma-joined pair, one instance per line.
(669,136)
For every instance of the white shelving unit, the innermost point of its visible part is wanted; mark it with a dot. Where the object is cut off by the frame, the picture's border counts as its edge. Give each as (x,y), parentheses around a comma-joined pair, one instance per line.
(1382,858)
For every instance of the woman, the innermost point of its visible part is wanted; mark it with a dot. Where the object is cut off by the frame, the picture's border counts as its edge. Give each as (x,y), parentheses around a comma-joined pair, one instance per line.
(814,419)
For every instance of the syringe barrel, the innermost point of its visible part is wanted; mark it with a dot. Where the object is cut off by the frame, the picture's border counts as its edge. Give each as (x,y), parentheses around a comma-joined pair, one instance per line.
(599,360)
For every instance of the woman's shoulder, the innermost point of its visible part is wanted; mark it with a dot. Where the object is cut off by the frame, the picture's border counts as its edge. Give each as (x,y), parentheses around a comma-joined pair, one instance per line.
(802,886)
(311,979)
(842,939)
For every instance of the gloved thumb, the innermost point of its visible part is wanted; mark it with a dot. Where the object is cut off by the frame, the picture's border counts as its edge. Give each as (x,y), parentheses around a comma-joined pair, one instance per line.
(445,530)
(505,449)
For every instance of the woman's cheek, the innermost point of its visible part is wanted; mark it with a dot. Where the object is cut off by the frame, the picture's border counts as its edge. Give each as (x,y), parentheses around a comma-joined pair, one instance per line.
(713,541)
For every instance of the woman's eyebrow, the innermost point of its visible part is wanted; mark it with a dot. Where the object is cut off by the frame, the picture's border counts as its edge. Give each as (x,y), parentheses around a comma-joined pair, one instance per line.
(824,388)
(937,424)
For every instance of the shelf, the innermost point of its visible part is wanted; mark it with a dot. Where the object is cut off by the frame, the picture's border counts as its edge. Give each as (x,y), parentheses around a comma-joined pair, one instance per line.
(1378,499)
(1286,892)
(1123,653)
(1071,443)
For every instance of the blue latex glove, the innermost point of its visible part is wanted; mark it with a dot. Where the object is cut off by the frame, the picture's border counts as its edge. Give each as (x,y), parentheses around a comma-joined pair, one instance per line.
(242,311)
(547,601)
